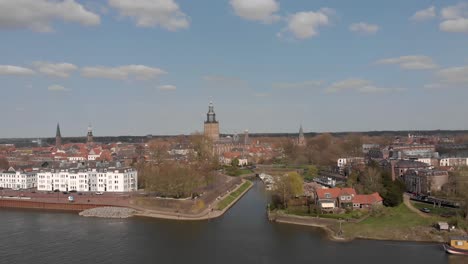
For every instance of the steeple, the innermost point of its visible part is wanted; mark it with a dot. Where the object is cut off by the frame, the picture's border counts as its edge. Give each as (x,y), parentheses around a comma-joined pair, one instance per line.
(211,116)
(90,134)
(58,137)
(301,140)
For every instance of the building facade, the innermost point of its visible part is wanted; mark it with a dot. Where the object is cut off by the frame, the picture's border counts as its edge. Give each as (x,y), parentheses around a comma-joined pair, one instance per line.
(18,179)
(425,181)
(88,178)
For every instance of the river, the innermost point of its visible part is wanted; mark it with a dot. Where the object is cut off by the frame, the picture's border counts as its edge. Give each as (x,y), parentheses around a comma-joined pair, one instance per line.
(242,235)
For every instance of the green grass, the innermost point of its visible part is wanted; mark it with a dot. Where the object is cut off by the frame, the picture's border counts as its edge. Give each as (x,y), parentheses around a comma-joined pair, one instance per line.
(233,196)
(397,223)
(303,211)
(231,171)
(436,210)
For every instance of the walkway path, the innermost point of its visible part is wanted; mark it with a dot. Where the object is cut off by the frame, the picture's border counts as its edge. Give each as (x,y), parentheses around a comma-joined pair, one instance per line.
(407,202)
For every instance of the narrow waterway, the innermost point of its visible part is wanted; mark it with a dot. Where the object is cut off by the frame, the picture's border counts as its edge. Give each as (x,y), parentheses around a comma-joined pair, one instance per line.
(242,235)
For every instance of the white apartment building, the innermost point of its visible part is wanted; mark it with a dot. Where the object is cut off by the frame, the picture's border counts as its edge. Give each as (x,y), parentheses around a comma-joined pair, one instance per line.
(18,179)
(88,179)
(447,162)
(343,161)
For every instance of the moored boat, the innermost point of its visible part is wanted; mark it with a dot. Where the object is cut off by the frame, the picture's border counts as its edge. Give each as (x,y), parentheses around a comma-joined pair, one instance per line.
(457,246)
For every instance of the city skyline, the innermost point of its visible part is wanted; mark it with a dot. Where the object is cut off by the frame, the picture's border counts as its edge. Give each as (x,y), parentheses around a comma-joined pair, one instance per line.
(269,66)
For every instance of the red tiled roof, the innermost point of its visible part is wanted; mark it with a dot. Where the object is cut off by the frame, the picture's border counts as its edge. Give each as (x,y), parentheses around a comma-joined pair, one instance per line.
(334,192)
(367,198)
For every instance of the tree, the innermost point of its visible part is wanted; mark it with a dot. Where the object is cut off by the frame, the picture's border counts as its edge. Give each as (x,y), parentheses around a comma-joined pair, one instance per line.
(288,186)
(371,180)
(235,162)
(311,172)
(392,192)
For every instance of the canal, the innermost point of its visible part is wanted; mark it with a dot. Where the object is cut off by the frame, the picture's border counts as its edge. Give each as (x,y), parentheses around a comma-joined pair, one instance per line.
(242,235)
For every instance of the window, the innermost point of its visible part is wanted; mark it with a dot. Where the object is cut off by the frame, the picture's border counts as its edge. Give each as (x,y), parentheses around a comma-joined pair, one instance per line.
(327,195)
(348,198)
(459,243)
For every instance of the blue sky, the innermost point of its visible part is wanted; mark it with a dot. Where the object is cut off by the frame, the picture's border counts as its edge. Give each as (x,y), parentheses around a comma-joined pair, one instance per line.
(137,67)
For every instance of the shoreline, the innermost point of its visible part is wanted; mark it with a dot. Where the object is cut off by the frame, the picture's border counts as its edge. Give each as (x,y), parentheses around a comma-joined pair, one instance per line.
(139,211)
(205,215)
(330,233)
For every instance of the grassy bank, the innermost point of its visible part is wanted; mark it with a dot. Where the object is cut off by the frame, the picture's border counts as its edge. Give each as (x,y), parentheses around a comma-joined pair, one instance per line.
(397,223)
(304,211)
(233,196)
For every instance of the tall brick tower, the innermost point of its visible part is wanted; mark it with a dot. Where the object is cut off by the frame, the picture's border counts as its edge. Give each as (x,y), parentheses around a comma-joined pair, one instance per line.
(211,125)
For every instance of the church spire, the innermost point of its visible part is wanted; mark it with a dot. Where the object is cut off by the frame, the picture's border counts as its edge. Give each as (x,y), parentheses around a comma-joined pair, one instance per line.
(301,140)
(58,137)
(90,134)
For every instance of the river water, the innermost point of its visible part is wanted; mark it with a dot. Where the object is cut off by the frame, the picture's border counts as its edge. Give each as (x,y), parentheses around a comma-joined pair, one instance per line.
(242,235)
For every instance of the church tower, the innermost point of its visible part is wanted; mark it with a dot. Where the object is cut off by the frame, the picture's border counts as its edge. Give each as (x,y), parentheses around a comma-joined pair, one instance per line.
(58,137)
(90,135)
(211,129)
(301,140)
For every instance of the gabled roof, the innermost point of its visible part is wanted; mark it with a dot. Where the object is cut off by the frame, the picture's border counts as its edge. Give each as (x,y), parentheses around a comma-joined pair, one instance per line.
(334,192)
(367,198)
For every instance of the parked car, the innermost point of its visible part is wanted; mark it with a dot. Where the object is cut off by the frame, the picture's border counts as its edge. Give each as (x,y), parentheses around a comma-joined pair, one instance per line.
(56,190)
(65,192)
(73,191)
(98,193)
(425,210)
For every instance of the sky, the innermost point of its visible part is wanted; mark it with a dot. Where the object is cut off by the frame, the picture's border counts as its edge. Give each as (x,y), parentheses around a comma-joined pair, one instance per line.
(138,67)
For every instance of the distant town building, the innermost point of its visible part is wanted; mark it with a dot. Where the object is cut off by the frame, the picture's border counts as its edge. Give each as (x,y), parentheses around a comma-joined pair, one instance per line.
(425,181)
(211,128)
(453,162)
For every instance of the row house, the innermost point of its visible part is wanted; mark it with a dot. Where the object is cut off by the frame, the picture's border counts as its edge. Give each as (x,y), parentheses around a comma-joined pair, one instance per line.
(88,178)
(18,178)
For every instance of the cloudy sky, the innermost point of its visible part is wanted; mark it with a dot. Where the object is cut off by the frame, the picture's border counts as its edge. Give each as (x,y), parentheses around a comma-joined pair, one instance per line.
(137,67)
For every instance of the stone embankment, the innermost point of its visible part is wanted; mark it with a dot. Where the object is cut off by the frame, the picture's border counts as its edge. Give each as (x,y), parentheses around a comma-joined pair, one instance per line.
(109,212)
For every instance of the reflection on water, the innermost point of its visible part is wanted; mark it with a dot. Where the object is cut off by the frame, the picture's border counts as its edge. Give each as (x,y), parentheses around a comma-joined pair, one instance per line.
(242,235)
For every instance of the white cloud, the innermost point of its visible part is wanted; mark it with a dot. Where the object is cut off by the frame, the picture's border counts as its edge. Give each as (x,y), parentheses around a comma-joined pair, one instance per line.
(256,10)
(364,28)
(62,70)
(459,25)
(303,25)
(297,85)
(425,14)
(413,62)
(357,85)
(139,72)
(454,76)
(57,88)
(455,18)
(38,15)
(167,87)
(15,70)
(151,13)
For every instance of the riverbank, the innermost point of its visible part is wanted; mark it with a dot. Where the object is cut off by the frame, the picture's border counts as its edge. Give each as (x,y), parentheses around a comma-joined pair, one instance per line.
(212,211)
(397,224)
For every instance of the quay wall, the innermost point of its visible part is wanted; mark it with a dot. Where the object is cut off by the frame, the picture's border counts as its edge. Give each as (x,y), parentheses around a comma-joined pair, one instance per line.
(47,205)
